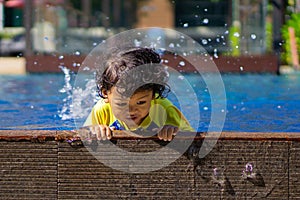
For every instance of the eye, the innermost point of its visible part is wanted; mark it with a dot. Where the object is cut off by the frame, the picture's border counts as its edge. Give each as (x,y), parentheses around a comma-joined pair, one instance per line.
(140,102)
(121,104)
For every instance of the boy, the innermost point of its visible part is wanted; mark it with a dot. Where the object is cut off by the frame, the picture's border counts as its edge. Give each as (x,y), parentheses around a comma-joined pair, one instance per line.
(133,88)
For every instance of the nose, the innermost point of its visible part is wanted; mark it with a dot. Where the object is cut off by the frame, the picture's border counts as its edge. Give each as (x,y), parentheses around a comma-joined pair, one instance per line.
(132,109)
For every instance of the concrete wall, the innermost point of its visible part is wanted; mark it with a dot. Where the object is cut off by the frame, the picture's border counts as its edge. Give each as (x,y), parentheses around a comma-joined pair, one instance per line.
(42,165)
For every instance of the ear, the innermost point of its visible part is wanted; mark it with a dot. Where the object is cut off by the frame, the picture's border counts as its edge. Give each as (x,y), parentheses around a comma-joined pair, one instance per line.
(104,93)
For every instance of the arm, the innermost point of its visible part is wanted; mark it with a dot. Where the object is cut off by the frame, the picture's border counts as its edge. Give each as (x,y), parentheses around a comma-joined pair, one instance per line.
(172,122)
(99,120)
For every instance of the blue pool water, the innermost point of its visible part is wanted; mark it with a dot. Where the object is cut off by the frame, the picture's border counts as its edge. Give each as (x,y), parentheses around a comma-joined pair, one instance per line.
(254,102)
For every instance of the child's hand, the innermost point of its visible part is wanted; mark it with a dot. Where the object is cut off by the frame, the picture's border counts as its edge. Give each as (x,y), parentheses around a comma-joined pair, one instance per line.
(102,132)
(166,132)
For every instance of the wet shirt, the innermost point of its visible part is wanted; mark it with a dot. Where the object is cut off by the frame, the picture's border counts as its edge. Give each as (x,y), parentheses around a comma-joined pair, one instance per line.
(162,112)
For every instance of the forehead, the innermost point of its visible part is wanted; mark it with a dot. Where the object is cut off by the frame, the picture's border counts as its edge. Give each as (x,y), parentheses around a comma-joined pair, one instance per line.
(136,95)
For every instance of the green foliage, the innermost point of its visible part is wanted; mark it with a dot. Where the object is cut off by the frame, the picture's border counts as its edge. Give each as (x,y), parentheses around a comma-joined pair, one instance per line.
(234,40)
(5,35)
(269,37)
(294,22)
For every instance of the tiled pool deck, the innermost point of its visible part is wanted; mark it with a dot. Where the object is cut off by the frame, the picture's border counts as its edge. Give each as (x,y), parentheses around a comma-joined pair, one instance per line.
(42,165)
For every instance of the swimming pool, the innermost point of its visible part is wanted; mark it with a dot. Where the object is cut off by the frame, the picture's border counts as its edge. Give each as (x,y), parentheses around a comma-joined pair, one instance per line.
(255,102)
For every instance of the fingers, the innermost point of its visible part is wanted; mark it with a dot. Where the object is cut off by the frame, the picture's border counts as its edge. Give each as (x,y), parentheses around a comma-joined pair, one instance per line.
(167,132)
(101,132)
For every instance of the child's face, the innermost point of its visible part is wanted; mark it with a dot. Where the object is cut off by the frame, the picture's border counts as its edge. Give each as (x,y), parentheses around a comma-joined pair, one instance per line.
(131,110)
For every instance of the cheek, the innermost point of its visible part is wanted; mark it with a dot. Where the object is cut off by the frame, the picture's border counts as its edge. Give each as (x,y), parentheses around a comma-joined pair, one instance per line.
(119,112)
(145,109)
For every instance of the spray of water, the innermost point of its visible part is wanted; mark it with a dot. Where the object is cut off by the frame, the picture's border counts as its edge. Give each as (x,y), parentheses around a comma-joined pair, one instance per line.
(76,108)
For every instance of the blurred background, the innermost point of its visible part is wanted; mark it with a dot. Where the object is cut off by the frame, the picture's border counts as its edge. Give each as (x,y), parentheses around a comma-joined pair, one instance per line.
(34,29)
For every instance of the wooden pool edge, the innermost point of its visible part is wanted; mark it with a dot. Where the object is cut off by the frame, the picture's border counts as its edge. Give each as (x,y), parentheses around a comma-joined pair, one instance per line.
(42,164)
(59,135)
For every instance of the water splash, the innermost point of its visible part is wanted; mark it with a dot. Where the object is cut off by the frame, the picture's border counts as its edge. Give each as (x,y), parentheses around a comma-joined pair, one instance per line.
(254,177)
(67,89)
(216,53)
(222,181)
(78,101)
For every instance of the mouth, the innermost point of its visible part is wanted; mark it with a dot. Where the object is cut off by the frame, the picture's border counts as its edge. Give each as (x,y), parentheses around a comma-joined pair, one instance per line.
(132,118)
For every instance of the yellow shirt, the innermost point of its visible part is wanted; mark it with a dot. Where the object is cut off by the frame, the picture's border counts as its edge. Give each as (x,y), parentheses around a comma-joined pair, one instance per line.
(162,112)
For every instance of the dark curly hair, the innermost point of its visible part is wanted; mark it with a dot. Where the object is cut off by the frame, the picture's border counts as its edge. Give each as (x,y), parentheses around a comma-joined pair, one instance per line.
(132,70)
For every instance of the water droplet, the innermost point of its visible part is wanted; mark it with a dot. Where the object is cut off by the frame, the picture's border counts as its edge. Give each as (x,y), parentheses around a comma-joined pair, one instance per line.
(279,107)
(35,62)
(137,43)
(205,21)
(77,53)
(253,36)
(205,108)
(185,25)
(182,63)
(205,9)
(216,53)
(181,77)
(61,57)
(236,34)
(204,41)
(241,68)
(249,167)
(216,172)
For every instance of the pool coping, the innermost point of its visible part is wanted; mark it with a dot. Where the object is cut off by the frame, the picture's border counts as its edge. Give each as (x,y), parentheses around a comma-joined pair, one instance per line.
(62,135)
(39,164)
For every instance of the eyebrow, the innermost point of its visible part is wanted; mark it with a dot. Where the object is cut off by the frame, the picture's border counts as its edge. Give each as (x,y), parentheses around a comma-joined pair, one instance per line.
(126,99)
(143,96)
